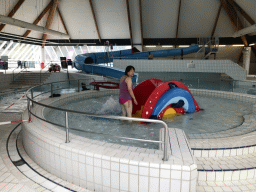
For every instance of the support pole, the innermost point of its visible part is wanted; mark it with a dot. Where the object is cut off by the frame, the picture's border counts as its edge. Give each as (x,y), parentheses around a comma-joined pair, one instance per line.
(67,131)
(246,59)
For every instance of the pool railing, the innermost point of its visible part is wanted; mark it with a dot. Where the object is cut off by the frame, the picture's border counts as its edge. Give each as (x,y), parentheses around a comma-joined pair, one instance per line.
(31,102)
(49,88)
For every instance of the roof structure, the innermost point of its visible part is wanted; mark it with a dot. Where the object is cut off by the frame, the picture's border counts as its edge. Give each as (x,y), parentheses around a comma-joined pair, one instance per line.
(126,20)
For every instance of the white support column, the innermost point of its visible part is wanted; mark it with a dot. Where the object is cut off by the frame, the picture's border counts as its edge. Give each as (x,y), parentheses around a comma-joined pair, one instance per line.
(12,49)
(20,54)
(42,54)
(1,46)
(61,51)
(6,49)
(247,59)
(18,50)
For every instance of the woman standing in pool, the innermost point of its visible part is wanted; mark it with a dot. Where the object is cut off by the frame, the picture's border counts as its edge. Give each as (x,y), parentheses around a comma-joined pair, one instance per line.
(126,92)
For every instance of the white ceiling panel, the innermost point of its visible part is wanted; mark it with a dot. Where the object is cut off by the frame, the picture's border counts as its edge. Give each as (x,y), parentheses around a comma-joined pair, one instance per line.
(112,19)
(159,18)
(78,18)
(197,18)
(225,27)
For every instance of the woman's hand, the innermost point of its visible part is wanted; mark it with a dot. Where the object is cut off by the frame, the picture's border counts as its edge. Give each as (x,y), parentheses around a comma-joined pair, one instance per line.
(135,102)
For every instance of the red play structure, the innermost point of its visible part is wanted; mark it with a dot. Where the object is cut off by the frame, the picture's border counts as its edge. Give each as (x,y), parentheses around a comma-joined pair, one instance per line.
(149,91)
(105,84)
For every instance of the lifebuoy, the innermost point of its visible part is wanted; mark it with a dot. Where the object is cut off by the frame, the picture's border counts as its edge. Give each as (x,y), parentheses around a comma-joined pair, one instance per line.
(105,84)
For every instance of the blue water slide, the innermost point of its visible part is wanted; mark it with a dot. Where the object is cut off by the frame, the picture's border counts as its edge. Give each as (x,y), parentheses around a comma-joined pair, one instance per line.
(174,96)
(106,71)
(102,57)
(165,53)
(82,60)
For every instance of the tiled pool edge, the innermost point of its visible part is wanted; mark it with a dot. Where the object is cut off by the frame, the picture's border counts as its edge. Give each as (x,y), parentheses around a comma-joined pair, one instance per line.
(218,147)
(111,167)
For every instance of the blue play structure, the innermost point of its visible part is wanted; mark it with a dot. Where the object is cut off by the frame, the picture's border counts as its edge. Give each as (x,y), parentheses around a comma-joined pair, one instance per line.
(177,96)
(86,62)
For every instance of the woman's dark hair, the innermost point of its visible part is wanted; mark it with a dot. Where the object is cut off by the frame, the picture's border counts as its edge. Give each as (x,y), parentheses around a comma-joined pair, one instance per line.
(128,68)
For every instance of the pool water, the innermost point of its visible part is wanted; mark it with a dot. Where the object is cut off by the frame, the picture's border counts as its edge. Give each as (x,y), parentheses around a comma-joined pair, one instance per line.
(217,115)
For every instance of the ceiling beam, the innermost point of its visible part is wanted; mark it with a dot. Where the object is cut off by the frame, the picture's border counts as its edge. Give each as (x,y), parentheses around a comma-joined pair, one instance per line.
(245,15)
(216,21)
(178,23)
(129,21)
(141,26)
(95,21)
(49,20)
(230,10)
(47,8)
(63,23)
(12,12)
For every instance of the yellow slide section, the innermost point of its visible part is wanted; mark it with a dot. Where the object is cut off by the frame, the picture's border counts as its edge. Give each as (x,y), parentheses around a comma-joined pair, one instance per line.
(169,113)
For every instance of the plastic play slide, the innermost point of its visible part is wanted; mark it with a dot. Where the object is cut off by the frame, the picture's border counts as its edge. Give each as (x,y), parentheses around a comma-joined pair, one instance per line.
(157,99)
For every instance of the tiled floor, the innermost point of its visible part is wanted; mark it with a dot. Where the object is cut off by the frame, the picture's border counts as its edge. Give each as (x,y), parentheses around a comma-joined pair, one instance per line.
(10,177)
(14,174)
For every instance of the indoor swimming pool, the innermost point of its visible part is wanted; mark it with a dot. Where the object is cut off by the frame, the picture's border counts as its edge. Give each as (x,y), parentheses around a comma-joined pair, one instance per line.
(218,115)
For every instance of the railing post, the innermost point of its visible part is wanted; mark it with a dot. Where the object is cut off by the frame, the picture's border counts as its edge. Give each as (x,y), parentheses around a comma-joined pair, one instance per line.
(66,124)
(78,86)
(165,143)
(32,97)
(198,83)
(51,90)
(233,88)
(29,114)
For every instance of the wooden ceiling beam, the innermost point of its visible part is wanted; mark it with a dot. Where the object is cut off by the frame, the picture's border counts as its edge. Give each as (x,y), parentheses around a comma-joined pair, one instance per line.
(230,10)
(95,21)
(216,21)
(63,23)
(12,12)
(178,23)
(245,15)
(50,20)
(47,8)
(141,26)
(129,21)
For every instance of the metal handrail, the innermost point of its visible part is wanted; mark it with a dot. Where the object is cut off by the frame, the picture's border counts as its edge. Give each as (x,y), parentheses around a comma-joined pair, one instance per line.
(16,74)
(165,157)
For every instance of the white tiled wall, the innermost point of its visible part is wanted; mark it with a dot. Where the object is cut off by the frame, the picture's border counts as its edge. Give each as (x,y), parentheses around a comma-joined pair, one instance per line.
(207,66)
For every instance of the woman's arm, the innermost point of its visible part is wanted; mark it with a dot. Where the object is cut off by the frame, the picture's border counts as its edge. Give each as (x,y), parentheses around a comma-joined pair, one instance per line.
(129,86)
